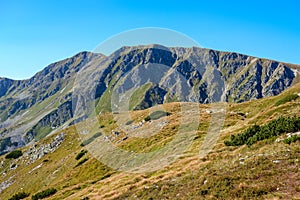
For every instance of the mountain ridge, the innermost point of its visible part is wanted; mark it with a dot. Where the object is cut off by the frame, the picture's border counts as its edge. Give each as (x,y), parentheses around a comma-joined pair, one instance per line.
(186,74)
(292,65)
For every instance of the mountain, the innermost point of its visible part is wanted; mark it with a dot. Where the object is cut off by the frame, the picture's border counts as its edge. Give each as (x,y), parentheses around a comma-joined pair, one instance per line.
(68,91)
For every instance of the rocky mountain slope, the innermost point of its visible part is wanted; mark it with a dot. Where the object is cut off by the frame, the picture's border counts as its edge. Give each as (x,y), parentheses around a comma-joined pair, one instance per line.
(145,75)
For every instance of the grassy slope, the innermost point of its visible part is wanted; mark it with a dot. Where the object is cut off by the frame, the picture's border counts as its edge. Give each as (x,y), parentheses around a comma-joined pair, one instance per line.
(225,173)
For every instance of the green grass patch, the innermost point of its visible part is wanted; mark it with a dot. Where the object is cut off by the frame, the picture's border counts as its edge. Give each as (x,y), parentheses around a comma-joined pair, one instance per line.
(152,143)
(42,132)
(285,99)
(104,104)
(138,95)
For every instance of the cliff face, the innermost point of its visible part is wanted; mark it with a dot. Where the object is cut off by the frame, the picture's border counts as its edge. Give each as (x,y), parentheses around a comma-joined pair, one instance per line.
(5,85)
(21,95)
(191,74)
(146,75)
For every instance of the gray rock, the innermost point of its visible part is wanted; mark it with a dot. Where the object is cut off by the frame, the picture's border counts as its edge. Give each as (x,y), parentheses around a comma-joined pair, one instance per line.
(34,153)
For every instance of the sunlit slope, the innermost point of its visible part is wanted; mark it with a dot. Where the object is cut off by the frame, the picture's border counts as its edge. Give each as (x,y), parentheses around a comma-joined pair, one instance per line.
(265,170)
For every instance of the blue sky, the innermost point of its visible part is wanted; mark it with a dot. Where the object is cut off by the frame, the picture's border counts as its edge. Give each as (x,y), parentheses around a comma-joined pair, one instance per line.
(35,33)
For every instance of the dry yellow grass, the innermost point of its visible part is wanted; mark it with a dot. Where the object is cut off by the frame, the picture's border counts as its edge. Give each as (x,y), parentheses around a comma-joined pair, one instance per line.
(219,174)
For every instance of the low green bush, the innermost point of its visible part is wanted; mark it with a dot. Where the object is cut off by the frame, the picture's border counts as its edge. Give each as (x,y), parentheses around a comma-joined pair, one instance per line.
(20,195)
(148,118)
(81,162)
(156,115)
(91,139)
(14,154)
(44,194)
(129,122)
(81,154)
(291,139)
(257,133)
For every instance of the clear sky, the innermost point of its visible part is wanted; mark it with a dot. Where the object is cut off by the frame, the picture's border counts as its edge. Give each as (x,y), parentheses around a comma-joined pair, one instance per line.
(35,33)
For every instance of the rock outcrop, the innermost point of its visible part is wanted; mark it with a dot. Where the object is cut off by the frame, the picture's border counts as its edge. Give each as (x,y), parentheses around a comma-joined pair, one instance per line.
(36,152)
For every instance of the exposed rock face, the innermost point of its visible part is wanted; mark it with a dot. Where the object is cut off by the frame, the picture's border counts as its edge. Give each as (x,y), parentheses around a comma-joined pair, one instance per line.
(6,183)
(10,143)
(190,74)
(51,121)
(33,108)
(44,84)
(5,84)
(43,101)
